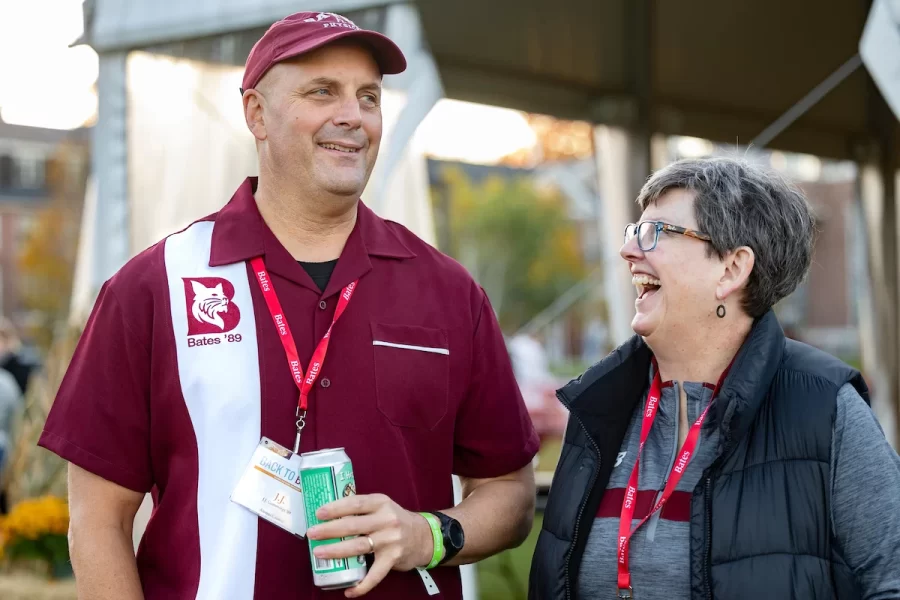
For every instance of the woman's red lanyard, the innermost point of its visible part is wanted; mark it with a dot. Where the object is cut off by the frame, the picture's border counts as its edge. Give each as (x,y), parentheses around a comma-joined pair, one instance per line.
(684,457)
(304,384)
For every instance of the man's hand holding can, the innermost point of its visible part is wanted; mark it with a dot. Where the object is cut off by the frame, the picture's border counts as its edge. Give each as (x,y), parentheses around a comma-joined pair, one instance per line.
(400,540)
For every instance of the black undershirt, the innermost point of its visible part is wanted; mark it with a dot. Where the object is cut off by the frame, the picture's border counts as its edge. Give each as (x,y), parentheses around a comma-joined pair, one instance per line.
(319,271)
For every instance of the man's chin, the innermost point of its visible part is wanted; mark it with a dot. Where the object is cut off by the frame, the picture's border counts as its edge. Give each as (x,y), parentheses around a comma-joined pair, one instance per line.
(344,189)
(350,186)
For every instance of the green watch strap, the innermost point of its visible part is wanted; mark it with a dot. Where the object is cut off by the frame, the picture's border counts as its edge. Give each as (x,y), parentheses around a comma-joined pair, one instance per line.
(437,536)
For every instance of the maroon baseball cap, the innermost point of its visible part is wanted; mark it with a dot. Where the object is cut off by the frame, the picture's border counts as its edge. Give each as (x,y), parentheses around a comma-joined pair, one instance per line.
(302,32)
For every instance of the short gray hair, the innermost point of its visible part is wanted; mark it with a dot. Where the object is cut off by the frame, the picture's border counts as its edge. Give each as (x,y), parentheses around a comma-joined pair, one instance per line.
(740,204)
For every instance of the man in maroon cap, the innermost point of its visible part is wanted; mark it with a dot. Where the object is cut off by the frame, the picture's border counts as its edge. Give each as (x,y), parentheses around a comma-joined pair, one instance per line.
(293,310)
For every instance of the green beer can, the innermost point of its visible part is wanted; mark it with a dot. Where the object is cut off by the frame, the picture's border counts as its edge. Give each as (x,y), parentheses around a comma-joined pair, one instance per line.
(326,476)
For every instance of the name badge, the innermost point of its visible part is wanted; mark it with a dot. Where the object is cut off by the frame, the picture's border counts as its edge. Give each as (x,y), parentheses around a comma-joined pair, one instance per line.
(270,487)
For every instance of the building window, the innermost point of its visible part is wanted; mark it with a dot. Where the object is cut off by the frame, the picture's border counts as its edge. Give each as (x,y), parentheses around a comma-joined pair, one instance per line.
(6,171)
(31,174)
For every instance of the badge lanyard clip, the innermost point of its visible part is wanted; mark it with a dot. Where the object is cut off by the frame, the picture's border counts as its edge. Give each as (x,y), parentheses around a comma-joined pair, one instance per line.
(301,423)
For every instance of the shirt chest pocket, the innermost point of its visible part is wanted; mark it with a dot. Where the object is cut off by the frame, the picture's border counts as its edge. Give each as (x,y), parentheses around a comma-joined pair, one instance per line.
(412,374)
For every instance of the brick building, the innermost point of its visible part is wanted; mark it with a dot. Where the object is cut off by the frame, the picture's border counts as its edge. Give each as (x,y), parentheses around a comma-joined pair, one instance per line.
(27,157)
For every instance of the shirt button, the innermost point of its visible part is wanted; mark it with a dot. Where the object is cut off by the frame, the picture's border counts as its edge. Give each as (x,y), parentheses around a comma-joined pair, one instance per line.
(323,305)
(325,383)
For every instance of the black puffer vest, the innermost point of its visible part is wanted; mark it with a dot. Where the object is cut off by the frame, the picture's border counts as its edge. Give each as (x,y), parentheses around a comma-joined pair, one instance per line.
(760,517)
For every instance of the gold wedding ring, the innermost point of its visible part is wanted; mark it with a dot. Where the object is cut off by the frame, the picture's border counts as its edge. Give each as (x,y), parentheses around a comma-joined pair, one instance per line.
(371,545)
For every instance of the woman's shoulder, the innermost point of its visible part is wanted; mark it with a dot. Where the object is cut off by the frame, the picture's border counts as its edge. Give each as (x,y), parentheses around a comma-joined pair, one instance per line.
(854,413)
(812,361)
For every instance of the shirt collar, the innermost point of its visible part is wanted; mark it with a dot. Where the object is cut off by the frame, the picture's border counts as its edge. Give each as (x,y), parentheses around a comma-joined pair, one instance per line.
(240,233)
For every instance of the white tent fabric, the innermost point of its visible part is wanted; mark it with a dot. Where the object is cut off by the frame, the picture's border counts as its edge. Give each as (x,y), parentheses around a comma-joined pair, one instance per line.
(82,290)
(188,146)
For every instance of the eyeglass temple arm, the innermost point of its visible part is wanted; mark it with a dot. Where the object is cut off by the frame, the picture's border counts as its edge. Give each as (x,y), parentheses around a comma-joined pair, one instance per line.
(687,232)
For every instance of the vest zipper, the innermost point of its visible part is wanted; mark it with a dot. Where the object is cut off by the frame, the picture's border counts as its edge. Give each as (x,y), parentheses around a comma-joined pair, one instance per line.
(593,481)
(709,537)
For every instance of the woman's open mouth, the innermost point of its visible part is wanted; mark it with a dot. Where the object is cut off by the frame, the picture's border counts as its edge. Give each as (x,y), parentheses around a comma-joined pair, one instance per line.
(645,285)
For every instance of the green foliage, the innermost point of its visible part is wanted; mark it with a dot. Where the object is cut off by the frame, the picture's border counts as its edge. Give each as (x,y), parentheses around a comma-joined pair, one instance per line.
(515,239)
(505,575)
(52,548)
(46,257)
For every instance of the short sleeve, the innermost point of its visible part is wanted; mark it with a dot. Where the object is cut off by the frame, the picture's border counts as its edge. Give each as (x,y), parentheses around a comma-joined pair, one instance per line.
(100,419)
(494,434)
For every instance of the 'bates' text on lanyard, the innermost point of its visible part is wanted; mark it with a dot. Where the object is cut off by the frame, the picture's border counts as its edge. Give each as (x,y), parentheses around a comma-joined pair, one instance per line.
(678,469)
(304,383)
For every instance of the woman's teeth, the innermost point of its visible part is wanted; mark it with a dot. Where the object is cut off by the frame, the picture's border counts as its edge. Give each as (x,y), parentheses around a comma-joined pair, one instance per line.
(645,280)
(644,284)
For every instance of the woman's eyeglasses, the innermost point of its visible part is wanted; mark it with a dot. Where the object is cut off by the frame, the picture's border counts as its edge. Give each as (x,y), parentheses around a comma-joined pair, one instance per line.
(647,233)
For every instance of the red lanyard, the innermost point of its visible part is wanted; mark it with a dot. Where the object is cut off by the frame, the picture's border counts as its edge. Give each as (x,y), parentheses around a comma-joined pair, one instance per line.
(678,469)
(304,383)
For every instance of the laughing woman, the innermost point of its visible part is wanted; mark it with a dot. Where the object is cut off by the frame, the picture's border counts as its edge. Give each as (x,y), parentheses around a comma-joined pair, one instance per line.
(709,456)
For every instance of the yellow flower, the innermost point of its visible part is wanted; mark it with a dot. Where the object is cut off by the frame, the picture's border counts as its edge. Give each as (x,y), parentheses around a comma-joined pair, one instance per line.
(36,517)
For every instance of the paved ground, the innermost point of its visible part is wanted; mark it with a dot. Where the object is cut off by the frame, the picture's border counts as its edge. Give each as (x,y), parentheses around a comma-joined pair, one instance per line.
(21,587)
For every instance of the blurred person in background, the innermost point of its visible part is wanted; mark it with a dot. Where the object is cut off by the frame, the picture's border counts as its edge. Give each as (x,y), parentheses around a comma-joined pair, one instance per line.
(709,456)
(188,358)
(10,403)
(538,385)
(15,357)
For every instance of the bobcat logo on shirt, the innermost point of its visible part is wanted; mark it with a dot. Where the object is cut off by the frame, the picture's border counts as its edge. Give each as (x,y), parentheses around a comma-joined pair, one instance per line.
(210,305)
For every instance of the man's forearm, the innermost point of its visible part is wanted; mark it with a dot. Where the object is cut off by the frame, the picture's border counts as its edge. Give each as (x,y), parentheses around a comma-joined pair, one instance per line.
(496,516)
(104,564)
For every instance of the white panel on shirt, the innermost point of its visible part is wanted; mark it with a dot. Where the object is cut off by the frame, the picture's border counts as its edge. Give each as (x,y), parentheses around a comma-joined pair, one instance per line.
(221,387)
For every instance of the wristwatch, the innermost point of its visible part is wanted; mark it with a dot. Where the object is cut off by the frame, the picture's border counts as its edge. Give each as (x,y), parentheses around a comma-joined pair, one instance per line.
(454,537)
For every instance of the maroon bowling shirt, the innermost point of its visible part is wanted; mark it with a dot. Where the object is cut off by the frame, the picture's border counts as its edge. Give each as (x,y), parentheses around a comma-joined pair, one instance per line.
(180,371)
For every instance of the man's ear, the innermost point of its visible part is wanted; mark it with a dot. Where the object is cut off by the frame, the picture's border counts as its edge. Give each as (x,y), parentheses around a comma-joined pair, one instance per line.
(254,113)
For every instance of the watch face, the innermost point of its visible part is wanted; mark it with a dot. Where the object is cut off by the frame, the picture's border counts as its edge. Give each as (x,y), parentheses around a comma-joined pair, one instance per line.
(456,535)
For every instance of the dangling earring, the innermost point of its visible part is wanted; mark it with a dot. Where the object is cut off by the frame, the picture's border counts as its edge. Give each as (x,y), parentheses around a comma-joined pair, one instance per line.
(720,311)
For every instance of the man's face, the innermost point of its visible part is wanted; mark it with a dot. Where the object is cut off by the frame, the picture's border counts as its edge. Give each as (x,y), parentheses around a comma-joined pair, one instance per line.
(321,119)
